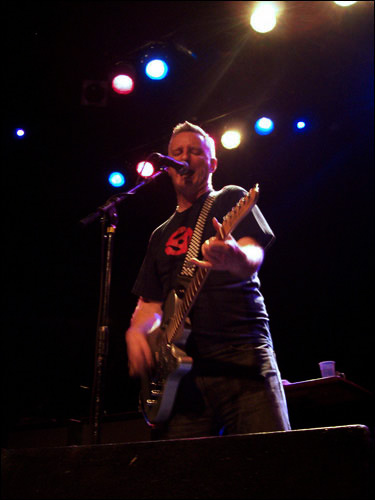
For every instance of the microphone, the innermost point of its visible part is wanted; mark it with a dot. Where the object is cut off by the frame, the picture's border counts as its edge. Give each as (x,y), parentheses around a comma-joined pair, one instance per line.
(182,167)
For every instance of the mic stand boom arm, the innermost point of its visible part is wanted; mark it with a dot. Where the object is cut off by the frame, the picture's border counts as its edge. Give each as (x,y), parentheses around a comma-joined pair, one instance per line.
(109,218)
(116,199)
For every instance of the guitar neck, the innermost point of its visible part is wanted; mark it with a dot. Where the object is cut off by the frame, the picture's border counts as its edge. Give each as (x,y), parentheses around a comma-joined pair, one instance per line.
(192,291)
(183,308)
(229,222)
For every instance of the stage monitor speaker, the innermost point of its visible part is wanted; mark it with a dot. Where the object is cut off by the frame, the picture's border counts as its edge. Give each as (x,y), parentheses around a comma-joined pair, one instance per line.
(320,463)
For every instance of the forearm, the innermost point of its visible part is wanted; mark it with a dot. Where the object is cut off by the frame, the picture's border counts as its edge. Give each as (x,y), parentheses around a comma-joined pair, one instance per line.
(146,316)
(241,258)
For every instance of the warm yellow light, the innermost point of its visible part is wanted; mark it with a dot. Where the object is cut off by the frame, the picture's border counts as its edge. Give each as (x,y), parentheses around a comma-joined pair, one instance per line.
(231,139)
(345,4)
(264,17)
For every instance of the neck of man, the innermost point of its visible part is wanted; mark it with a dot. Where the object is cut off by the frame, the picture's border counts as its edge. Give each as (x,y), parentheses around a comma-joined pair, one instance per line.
(186,199)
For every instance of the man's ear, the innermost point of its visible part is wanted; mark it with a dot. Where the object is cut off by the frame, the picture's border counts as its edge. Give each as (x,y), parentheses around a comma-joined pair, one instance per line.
(213,165)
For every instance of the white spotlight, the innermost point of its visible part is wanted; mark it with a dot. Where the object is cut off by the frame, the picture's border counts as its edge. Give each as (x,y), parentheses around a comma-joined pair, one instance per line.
(231,139)
(263,18)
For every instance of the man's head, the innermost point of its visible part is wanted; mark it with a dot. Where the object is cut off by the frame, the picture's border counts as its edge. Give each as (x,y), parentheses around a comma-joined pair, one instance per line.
(193,145)
(190,127)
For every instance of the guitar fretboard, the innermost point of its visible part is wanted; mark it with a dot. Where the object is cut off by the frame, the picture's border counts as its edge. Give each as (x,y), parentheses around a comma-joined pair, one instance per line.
(191,293)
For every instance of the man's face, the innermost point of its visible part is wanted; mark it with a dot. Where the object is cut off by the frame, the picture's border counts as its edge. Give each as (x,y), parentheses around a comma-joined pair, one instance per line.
(192,148)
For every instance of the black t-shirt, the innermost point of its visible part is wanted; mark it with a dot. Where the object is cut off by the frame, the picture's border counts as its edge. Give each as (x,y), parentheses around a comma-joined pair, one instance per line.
(227,309)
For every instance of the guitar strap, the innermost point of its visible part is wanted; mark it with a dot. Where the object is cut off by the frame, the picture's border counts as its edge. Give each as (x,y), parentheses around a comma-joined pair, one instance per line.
(187,269)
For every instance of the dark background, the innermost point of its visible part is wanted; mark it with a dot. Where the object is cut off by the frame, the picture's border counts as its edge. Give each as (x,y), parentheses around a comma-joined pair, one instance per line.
(316,186)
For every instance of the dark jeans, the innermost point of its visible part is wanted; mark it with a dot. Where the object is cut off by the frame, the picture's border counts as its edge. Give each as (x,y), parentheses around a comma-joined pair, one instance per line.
(237,390)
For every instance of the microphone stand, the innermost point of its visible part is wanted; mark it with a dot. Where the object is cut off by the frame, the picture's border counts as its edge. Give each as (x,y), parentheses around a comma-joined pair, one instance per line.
(109,219)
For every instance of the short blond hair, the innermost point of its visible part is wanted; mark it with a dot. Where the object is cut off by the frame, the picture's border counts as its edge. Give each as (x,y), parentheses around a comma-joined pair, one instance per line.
(190,127)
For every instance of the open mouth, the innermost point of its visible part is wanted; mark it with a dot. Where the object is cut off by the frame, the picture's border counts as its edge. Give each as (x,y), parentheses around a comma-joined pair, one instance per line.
(189,173)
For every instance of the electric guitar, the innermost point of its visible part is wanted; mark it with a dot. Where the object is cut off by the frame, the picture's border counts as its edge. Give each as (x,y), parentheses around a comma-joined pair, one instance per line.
(170,362)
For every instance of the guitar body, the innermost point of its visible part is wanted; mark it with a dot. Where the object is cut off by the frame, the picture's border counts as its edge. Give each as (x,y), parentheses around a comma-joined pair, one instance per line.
(159,386)
(167,343)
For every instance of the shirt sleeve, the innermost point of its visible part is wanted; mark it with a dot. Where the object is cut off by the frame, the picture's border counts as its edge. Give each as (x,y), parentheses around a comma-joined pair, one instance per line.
(254,225)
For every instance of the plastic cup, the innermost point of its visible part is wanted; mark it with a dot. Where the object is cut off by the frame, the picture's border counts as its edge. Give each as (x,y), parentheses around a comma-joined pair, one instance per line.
(327,368)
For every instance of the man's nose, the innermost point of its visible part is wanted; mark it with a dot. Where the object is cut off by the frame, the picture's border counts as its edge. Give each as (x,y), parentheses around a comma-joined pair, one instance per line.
(185,156)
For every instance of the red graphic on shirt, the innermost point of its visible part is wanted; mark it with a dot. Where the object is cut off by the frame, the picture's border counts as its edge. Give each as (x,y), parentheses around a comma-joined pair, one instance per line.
(179,241)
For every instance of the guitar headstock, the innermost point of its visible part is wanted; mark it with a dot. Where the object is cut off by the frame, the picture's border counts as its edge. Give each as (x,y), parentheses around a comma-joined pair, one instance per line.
(240,210)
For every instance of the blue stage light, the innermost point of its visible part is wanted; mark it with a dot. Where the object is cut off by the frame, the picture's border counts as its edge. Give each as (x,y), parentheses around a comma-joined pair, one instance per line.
(264,126)
(300,124)
(20,133)
(157,69)
(116,179)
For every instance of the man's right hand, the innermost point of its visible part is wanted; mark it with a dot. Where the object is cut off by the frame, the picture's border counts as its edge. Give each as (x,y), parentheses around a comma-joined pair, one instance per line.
(146,317)
(139,352)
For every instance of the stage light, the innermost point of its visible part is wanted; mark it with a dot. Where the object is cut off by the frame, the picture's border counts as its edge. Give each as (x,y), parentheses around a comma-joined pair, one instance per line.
(345,4)
(264,126)
(145,169)
(122,78)
(157,69)
(20,133)
(264,17)
(231,139)
(300,125)
(116,179)
(123,84)
(155,60)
